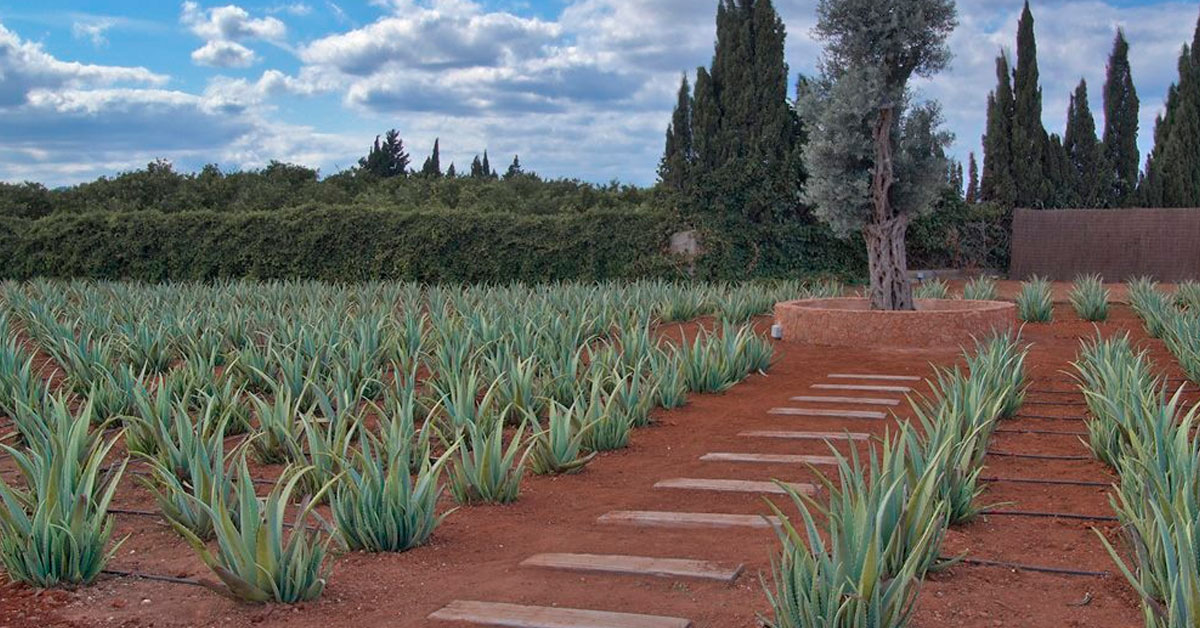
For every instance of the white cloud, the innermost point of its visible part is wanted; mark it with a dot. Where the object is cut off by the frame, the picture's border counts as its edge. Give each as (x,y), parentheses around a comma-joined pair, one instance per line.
(603,73)
(223,28)
(224,54)
(230,23)
(93,29)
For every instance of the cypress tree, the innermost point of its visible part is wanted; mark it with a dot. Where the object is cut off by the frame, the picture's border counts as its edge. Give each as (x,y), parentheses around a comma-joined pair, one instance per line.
(450,172)
(972,195)
(433,163)
(998,184)
(706,121)
(677,157)
(1121,105)
(387,158)
(1172,177)
(477,168)
(487,167)
(1029,139)
(514,169)
(1084,153)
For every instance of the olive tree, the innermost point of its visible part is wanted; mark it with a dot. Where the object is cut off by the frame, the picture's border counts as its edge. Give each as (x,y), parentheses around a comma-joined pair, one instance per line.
(874,157)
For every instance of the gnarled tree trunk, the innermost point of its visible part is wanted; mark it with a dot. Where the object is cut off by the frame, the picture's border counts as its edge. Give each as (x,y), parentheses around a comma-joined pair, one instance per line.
(886,254)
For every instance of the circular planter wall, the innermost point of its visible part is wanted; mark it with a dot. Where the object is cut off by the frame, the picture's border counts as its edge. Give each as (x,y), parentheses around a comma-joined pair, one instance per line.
(850,322)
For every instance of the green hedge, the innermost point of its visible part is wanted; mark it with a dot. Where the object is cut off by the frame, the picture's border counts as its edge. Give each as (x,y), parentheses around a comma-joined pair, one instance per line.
(351,244)
(337,244)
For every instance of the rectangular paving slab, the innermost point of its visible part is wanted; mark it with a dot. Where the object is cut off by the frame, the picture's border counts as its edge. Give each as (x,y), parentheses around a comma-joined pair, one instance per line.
(893,378)
(863,401)
(733,486)
(868,387)
(806,435)
(664,519)
(520,616)
(637,565)
(842,414)
(769,458)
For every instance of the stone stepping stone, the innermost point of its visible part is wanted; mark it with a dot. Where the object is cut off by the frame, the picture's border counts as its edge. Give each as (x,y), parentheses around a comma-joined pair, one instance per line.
(769,458)
(842,414)
(520,616)
(863,401)
(807,435)
(868,387)
(892,378)
(637,565)
(664,519)
(734,486)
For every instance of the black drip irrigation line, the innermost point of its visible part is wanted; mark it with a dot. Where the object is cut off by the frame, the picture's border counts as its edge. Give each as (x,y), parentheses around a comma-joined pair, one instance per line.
(121,573)
(1013,454)
(1046,481)
(1023,567)
(1048,515)
(1055,403)
(1017,430)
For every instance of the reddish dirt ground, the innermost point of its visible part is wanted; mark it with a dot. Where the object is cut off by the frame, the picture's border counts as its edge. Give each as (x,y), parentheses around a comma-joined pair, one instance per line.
(475,554)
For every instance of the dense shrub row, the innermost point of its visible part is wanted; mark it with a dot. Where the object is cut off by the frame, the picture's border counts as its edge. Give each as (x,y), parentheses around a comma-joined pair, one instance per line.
(350,243)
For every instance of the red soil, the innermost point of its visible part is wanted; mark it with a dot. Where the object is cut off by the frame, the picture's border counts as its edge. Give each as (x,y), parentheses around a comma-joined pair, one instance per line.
(476,554)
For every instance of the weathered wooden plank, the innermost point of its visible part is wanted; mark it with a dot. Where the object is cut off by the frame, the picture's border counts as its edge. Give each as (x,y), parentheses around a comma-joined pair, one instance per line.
(637,565)
(868,387)
(806,435)
(769,458)
(862,401)
(841,414)
(734,486)
(662,519)
(886,378)
(521,616)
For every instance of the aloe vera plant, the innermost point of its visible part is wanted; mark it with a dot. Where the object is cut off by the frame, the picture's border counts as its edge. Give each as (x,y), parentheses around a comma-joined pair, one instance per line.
(980,289)
(55,529)
(559,447)
(256,560)
(1089,297)
(935,288)
(378,506)
(484,470)
(1035,302)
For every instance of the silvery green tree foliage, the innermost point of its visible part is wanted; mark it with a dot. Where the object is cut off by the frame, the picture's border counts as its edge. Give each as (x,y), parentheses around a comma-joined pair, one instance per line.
(874,157)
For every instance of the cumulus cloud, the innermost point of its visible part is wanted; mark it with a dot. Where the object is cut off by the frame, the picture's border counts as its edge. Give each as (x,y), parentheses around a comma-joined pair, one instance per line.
(25,66)
(224,54)
(601,72)
(224,28)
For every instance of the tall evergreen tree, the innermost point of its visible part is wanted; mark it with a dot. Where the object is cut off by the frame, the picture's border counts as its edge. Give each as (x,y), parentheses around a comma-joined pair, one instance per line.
(514,169)
(1172,175)
(387,158)
(477,168)
(451,172)
(487,167)
(972,195)
(677,157)
(998,184)
(433,163)
(1029,139)
(744,162)
(1121,155)
(706,124)
(1086,184)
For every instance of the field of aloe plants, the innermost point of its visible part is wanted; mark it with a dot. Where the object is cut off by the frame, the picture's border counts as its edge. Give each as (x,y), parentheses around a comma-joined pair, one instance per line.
(373,397)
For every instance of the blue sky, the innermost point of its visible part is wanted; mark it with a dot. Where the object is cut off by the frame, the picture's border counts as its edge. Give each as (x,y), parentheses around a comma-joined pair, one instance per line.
(579,88)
